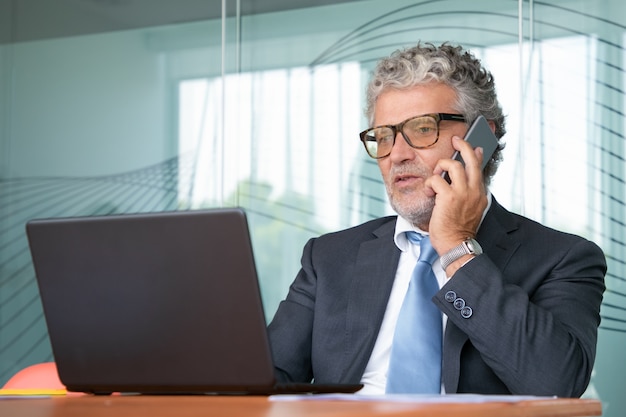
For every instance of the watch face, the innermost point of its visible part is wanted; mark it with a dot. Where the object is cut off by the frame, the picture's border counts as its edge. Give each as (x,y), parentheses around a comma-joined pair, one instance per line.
(474,247)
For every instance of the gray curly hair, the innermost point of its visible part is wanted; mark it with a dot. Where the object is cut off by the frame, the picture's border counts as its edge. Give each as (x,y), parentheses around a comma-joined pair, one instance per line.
(448,64)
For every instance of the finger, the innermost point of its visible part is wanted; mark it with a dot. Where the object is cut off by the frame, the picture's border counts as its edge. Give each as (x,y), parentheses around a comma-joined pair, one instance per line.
(473,161)
(476,175)
(456,169)
(469,155)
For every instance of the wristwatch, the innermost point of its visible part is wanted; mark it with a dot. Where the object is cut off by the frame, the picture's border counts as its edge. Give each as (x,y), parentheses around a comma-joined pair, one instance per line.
(467,247)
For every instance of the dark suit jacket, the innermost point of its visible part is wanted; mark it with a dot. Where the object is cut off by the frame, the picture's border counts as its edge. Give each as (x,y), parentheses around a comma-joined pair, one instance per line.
(535,296)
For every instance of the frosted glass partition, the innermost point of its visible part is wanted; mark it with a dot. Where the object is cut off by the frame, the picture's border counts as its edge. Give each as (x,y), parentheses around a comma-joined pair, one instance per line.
(263,110)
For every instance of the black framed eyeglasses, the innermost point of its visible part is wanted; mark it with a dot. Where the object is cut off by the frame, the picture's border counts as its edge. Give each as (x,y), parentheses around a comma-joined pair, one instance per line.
(418,131)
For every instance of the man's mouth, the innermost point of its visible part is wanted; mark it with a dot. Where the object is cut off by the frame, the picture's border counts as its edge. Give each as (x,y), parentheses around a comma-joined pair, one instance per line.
(405,179)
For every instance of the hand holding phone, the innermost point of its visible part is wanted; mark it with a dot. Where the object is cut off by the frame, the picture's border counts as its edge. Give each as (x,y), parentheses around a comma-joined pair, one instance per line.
(478,135)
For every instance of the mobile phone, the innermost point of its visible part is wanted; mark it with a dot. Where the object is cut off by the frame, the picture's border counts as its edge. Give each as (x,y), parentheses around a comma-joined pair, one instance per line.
(478,135)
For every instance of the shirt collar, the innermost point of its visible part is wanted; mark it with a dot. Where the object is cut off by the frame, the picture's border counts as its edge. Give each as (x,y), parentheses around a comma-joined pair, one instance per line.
(403,226)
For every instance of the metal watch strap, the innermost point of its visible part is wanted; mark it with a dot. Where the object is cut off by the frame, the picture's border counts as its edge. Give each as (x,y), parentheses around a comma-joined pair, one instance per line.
(467,247)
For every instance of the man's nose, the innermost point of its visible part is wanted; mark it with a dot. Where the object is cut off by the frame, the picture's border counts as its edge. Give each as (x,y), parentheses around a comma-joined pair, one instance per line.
(401,150)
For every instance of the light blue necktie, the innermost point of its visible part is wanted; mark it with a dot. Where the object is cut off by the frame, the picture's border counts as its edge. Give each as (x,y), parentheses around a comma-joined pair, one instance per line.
(415,362)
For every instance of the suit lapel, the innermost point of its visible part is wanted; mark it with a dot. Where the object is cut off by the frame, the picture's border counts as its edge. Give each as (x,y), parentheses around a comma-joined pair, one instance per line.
(496,235)
(374,273)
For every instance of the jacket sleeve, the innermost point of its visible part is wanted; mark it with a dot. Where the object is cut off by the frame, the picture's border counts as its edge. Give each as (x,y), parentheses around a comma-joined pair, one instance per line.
(290,331)
(533,322)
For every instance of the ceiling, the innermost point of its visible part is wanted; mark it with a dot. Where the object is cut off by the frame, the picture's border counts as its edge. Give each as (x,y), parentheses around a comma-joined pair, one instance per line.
(28,20)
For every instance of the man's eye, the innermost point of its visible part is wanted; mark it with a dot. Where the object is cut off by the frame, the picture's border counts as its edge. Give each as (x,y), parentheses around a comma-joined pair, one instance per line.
(423,130)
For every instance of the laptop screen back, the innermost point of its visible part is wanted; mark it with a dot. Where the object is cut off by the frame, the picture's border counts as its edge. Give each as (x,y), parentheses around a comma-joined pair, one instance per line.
(159,302)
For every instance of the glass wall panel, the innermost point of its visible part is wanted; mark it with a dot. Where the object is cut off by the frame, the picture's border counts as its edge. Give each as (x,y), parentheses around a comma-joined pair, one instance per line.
(260,107)
(573,148)
(89,127)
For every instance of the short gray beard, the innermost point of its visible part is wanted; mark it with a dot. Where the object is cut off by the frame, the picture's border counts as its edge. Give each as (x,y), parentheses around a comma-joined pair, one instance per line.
(417,212)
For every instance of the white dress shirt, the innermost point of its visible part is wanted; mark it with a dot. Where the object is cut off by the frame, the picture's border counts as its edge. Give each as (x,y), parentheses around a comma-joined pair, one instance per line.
(374,378)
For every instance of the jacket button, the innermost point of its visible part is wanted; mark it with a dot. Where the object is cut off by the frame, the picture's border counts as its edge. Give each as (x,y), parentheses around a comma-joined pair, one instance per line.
(466,312)
(450,296)
(459,303)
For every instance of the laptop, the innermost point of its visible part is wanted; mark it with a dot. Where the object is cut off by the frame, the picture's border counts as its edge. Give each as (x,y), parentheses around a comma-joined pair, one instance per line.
(156,303)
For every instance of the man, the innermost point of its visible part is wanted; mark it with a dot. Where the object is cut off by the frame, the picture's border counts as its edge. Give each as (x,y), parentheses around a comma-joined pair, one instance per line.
(519,316)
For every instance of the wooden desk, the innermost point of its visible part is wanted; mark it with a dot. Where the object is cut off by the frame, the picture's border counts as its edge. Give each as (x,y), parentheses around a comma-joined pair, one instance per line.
(208,406)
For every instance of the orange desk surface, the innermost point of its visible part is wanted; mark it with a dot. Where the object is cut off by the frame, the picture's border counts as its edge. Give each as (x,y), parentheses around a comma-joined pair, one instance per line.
(224,406)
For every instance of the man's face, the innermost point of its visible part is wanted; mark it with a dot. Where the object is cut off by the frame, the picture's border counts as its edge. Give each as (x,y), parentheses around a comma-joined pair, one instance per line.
(405,169)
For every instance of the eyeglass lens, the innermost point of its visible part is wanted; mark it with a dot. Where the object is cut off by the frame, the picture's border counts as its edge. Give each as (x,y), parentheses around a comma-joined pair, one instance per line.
(420,131)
